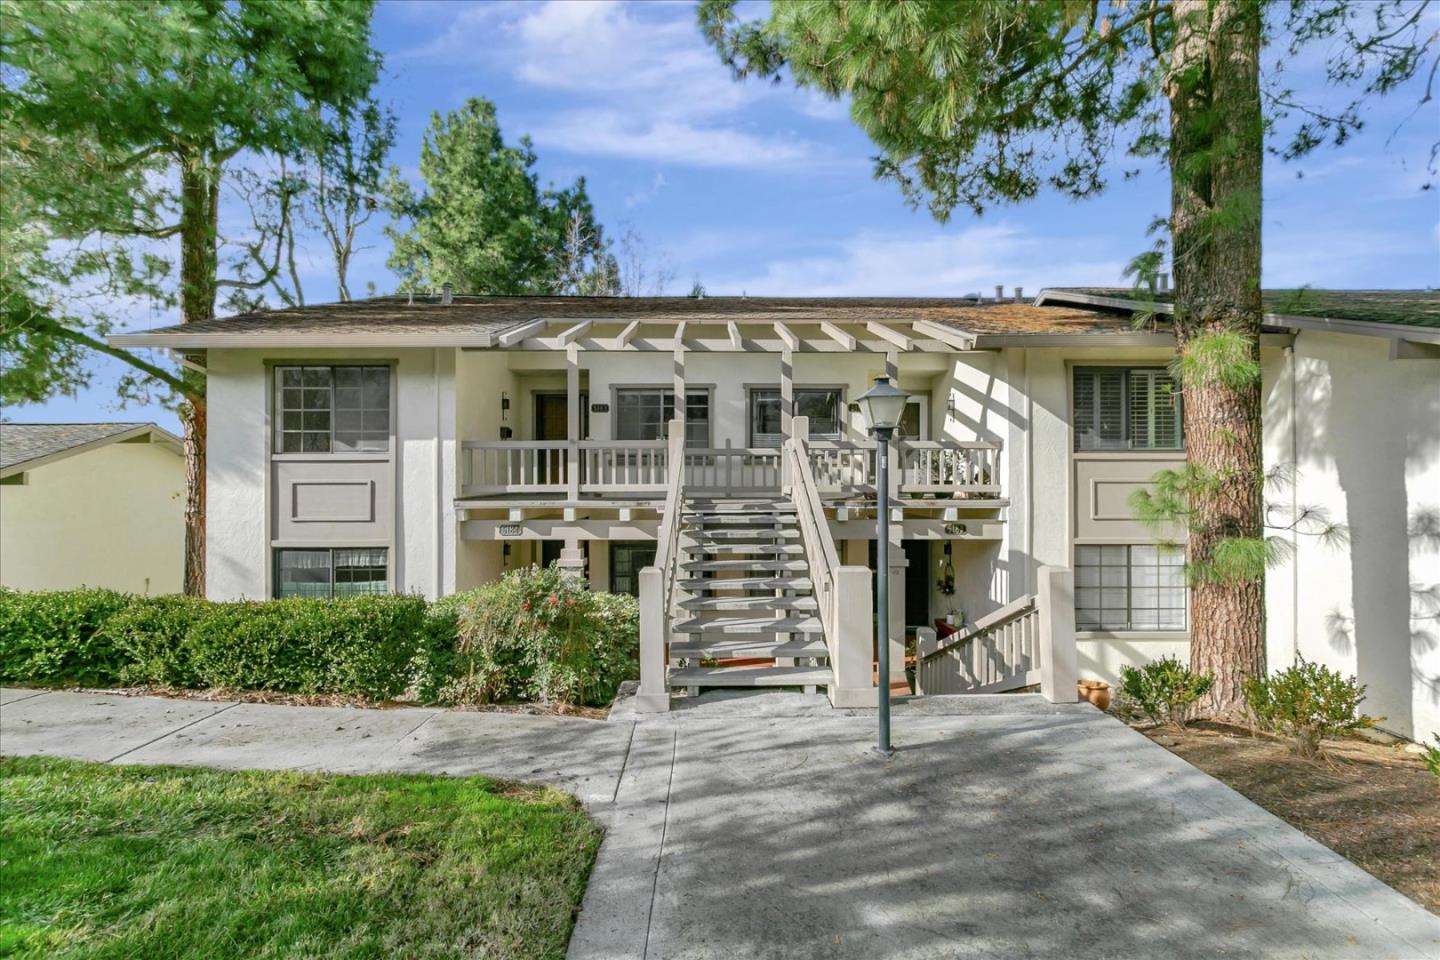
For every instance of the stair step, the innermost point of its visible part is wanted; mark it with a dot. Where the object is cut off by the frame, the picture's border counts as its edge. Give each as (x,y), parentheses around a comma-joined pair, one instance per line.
(711,584)
(751,677)
(736,519)
(760,645)
(791,624)
(756,565)
(732,507)
(788,549)
(750,603)
(745,534)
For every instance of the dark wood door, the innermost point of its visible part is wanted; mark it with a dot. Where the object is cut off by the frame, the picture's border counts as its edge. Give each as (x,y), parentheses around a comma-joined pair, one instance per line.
(551,423)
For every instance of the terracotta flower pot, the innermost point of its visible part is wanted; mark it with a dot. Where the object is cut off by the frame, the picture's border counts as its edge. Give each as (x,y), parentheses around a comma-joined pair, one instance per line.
(1095,691)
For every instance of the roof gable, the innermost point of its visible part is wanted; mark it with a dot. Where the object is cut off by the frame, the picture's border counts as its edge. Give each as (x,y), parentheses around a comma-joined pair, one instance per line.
(25,446)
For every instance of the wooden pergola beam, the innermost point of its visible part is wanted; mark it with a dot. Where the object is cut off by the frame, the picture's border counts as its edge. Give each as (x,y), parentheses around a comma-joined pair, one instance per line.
(575,332)
(787,335)
(627,334)
(734,330)
(516,334)
(946,335)
(890,335)
(845,340)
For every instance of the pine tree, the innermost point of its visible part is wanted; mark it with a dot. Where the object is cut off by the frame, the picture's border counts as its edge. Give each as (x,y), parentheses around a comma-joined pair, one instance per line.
(992,101)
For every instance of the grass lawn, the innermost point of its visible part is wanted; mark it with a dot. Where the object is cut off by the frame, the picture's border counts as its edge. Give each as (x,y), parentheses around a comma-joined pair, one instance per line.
(1374,805)
(161,862)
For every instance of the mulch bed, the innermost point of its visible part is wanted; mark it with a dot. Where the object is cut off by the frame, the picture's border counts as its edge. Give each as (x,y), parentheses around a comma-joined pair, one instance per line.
(336,700)
(1374,804)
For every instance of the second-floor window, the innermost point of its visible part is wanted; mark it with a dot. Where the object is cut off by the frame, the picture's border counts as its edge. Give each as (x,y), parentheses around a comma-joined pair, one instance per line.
(824,406)
(1127,408)
(641,413)
(332,409)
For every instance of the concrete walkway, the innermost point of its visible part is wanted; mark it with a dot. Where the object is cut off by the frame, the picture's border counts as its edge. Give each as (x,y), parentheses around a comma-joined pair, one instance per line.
(761,826)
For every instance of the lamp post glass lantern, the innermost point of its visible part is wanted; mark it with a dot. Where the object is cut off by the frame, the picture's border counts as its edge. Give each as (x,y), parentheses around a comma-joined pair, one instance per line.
(882,406)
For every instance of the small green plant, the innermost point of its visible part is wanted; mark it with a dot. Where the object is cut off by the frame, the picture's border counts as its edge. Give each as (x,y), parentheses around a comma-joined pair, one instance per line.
(539,635)
(1306,703)
(1431,755)
(1164,690)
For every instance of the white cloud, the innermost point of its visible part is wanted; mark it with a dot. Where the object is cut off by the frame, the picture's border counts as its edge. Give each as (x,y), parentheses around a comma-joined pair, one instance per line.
(639,197)
(640,79)
(946,264)
(608,133)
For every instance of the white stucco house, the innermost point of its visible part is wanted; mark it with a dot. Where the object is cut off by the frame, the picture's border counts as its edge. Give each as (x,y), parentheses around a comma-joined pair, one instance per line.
(91,504)
(428,444)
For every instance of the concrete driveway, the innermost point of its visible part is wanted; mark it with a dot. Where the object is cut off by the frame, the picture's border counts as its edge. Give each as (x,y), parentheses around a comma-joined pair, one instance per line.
(762,826)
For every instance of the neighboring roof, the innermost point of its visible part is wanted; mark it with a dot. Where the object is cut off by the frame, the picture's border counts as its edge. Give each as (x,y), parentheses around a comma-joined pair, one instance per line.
(479,321)
(1411,308)
(25,446)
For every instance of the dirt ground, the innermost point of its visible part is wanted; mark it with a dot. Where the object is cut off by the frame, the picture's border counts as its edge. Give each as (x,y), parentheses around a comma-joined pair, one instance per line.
(1374,804)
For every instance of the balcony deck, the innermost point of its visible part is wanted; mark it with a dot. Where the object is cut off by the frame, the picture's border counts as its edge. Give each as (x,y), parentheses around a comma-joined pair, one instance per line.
(624,473)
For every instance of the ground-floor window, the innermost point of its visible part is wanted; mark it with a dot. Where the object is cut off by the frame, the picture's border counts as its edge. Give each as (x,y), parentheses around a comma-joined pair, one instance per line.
(1129,587)
(627,559)
(331,572)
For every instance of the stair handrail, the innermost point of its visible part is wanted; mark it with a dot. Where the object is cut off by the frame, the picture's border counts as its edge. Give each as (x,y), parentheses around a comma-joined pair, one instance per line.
(1013,610)
(842,592)
(657,583)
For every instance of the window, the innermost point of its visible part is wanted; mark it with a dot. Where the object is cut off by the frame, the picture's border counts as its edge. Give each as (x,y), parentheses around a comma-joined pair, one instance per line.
(823,406)
(1129,587)
(1126,408)
(340,409)
(627,559)
(642,412)
(339,572)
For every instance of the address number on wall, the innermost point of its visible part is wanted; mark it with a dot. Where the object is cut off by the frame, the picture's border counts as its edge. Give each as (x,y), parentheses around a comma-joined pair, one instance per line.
(509,529)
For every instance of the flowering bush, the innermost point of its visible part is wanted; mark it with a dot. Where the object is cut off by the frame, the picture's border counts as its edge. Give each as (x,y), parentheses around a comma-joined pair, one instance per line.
(539,635)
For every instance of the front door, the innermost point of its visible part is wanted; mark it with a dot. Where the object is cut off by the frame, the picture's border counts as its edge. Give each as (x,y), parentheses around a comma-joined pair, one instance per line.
(552,423)
(917,581)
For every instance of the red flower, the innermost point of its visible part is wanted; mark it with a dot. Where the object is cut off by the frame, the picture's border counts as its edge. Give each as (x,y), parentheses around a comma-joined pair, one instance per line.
(525,605)
(552,599)
(570,604)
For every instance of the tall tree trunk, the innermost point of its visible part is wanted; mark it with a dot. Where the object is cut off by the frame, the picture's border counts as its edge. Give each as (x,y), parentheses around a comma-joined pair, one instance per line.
(1215,161)
(199,212)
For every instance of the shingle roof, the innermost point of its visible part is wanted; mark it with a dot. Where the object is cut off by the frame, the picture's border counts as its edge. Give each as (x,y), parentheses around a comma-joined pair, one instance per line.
(21,443)
(475,321)
(1417,308)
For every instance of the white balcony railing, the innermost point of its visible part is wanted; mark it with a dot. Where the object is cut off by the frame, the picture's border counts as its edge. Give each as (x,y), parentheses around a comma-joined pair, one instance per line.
(639,467)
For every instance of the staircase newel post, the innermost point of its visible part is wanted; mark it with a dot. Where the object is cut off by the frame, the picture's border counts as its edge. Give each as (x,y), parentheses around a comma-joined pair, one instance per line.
(654,693)
(1055,605)
(675,451)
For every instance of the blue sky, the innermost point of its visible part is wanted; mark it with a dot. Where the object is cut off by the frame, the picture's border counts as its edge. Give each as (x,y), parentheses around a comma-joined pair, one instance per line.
(768,190)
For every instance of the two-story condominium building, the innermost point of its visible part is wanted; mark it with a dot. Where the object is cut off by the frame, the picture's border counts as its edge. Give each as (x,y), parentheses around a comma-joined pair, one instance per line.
(704,453)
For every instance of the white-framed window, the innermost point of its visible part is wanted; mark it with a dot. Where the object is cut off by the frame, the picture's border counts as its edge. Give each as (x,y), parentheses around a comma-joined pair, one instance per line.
(825,406)
(1126,408)
(1139,586)
(642,412)
(332,409)
(331,571)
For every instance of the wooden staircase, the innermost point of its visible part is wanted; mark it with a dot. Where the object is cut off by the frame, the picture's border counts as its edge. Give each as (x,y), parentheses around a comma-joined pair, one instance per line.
(744,606)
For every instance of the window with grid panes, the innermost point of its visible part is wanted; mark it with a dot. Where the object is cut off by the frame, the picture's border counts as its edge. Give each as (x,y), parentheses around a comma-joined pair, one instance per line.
(642,412)
(1126,408)
(1129,587)
(627,559)
(332,409)
(823,406)
(325,573)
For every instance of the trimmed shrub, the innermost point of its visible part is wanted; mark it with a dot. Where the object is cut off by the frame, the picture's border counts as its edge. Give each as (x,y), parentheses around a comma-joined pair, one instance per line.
(1164,690)
(357,646)
(51,638)
(1305,704)
(152,634)
(539,635)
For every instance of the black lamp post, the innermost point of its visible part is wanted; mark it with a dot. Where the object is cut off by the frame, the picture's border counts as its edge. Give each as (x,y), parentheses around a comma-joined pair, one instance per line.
(882,406)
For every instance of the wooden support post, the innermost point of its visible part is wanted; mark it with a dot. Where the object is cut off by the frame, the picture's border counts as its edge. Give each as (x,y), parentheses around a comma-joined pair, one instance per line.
(1055,604)
(572,422)
(654,693)
(787,391)
(572,559)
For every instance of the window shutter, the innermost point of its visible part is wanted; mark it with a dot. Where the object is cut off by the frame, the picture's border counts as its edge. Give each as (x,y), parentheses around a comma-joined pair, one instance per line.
(1154,411)
(1100,408)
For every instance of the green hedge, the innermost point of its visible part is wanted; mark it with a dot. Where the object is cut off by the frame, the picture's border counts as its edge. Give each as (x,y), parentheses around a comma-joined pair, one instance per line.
(504,642)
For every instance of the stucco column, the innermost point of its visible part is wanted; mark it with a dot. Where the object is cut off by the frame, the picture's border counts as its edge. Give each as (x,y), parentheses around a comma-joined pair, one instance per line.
(572,560)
